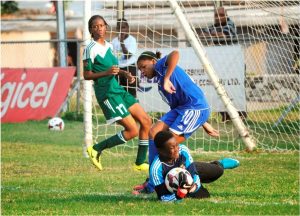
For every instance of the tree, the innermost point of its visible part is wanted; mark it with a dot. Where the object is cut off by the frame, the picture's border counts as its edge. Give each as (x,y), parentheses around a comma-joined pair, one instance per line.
(9,7)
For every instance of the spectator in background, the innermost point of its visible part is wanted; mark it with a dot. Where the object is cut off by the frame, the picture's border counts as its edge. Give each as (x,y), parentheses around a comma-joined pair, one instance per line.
(125,48)
(70,61)
(223,26)
(224,30)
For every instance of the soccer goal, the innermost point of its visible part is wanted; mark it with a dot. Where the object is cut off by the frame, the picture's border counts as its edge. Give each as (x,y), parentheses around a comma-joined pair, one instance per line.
(250,73)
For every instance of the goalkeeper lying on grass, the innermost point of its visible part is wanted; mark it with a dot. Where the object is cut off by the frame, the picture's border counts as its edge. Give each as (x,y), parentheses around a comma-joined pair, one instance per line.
(171,155)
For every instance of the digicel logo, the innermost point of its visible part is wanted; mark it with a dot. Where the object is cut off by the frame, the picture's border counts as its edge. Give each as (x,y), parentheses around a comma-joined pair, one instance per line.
(23,92)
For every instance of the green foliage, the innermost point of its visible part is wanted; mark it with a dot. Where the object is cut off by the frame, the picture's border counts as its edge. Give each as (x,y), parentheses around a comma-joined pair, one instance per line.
(73,116)
(66,4)
(296,108)
(44,173)
(156,115)
(287,127)
(9,7)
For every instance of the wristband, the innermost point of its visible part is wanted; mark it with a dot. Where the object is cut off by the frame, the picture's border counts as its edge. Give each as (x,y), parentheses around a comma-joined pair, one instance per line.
(181,192)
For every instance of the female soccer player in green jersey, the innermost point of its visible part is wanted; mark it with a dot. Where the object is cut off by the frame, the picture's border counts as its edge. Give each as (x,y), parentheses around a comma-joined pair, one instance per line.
(119,106)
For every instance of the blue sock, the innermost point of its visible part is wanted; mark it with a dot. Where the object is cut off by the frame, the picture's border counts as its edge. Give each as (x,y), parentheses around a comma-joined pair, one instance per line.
(150,187)
(152,154)
(229,163)
(152,151)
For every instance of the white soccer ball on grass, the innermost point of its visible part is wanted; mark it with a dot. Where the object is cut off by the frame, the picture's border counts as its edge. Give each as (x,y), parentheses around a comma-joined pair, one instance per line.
(56,124)
(172,179)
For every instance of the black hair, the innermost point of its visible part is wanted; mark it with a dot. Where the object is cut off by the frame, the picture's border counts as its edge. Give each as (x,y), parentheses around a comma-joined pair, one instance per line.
(123,21)
(91,20)
(161,138)
(148,55)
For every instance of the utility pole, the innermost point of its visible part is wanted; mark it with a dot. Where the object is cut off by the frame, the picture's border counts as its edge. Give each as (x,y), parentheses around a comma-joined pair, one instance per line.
(61,33)
(120,9)
(218,3)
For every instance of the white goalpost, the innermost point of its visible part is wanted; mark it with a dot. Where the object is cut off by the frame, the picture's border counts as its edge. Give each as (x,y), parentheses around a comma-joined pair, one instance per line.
(250,77)
(199,50)
(87,88)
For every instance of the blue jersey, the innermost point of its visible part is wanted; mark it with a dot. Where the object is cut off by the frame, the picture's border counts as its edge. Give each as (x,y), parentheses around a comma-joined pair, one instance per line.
(188,95)
(159,170)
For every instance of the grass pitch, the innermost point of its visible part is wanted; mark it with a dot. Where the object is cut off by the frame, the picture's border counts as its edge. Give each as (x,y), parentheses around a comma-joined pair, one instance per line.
(44,173)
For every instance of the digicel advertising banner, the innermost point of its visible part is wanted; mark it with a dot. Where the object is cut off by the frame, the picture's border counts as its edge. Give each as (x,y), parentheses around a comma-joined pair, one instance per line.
(33,93)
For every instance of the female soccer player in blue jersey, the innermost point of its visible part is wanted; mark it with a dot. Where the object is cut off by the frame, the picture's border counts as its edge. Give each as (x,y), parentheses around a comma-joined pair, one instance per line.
(189,108)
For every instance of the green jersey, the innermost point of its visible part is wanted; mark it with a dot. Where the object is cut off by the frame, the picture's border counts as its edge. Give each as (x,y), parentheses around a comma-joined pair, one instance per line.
(100,58)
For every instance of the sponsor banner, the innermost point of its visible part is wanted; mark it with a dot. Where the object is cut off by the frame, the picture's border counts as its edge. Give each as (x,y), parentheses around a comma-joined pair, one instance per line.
(33,93)
(228,62)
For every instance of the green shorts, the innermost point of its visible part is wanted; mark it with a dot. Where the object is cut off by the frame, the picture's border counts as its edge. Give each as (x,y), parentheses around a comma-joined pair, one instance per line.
(116,107)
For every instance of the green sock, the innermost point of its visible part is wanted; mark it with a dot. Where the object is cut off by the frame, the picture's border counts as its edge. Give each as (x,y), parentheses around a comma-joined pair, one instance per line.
(142,152)
(110,142)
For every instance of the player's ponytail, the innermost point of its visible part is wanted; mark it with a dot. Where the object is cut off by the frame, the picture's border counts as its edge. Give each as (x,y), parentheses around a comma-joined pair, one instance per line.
(148,55)
(158,54)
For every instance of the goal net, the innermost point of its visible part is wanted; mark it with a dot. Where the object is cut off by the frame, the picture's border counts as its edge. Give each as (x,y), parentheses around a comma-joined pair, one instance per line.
(254,54)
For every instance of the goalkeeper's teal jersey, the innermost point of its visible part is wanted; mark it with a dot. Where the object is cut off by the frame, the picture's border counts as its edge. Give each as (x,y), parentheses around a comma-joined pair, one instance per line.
(159,170)
(100,58)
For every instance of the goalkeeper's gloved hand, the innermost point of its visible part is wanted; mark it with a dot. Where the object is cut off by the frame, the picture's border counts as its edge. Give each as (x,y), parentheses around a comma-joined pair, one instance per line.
(182,192)
(184,186)
(183,181)
(193,188)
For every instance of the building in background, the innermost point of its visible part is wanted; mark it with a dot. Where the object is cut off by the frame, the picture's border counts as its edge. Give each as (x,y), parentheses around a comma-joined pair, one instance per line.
(36,21)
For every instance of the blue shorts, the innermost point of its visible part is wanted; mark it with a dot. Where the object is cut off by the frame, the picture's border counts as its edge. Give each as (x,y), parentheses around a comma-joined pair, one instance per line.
(185,121)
